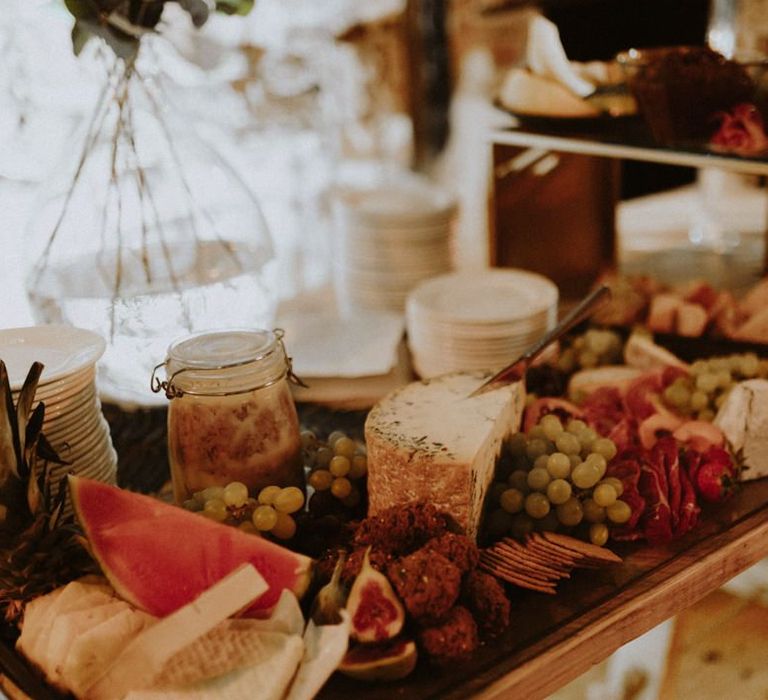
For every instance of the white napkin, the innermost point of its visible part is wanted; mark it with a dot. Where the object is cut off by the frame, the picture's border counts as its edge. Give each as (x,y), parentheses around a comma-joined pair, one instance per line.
(324,345)
(546,57)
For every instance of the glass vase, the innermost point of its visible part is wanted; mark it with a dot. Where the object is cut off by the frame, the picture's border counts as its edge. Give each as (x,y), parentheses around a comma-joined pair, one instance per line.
(146,233)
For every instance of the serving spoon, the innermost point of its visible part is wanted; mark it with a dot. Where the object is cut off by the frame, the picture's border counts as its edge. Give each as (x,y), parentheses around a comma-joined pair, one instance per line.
(516,371)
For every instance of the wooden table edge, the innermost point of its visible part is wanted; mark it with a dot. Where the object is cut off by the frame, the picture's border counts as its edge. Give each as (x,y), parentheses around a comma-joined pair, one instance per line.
(668,590)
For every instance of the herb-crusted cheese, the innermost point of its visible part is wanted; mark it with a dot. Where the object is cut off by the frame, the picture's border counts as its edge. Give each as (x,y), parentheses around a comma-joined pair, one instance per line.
(429,441)
(743,418)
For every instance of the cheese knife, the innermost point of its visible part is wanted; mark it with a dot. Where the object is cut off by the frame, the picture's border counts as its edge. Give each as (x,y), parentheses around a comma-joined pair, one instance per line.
(516,371)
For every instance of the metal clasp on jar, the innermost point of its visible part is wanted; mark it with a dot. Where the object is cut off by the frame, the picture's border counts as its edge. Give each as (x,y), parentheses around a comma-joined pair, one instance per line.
(172,391)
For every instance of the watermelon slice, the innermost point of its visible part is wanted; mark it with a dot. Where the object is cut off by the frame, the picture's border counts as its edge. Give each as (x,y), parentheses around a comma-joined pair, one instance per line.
(160,557)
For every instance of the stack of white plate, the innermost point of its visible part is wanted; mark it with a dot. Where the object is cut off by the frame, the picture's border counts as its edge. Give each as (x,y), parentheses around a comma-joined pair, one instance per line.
(389,240)
(73,424)
(479,320)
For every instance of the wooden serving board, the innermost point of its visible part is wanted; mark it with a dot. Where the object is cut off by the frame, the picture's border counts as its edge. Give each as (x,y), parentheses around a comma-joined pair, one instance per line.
(554,639)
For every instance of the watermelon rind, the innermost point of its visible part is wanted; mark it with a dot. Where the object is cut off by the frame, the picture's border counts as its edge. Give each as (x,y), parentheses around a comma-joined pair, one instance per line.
(160,557)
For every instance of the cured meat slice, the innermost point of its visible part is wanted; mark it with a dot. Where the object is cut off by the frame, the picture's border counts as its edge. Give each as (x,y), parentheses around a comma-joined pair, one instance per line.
(657,521)
(668,456)
(689,508)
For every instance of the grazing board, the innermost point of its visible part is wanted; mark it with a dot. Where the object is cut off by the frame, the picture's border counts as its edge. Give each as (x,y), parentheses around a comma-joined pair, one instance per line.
(553,639)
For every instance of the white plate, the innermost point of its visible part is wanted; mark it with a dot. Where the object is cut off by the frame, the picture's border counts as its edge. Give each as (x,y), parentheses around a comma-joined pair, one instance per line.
(486,296)
(64,350)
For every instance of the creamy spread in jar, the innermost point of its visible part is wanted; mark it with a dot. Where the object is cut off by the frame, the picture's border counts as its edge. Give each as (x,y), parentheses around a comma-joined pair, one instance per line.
(231,415)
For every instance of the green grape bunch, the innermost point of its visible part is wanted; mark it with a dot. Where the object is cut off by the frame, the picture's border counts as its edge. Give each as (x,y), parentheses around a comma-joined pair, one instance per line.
(555,480)
(593,348)
(701,393)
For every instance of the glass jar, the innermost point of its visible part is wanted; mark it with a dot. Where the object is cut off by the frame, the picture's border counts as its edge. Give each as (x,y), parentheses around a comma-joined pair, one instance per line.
(231,415)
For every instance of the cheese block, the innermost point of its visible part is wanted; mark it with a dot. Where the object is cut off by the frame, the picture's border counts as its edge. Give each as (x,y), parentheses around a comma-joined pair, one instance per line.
(428,441)
(743,418)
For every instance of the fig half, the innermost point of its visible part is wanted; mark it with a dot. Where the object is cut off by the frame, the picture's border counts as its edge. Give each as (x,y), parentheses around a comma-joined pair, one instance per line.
(389,661)
(376,613)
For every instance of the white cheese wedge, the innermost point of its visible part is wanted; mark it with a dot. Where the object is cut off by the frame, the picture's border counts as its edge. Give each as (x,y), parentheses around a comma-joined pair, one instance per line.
(743,418)
(74,596)
(65,630)
(143,659)
(96,648)
(429,441)
(265,678)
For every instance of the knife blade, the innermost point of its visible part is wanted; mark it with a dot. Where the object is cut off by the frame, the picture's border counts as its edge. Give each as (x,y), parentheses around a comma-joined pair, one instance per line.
(516,370)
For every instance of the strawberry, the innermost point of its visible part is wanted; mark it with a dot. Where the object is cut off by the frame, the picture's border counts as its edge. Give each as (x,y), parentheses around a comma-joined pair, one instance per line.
(717,476)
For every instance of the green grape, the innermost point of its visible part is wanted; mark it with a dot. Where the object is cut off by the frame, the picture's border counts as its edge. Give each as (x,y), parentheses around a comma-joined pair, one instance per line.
(498,523)
(285,527)
(541,462)
(497,488)
(585,475)
(551,426)
(558,465)
(699,367)
(558,491)
(264,518)
(536,448)
(340,465)
(236,494)
(699,400)
(268,494)
(586,438)
(570,513)
(359,467)
(192,504)
(248,526)
(536,505)
(588,359)
(575,426)
(335,435)
(212,492)
(724,378)
(518,479)
(593,513)
(749,365)
(521,525)
(341,487)
(353,500)
(512,500)
(706,382)
(574,460)
(538,479)
(216,509)
(516,445)
(618,487)
(677,396)
(308,439)
(345,447)
(536,433)
(568,443)
(604,446)
(323,457)
(597,341)
(619,512)
(598,461)
(320,479)
(604,495)
(598,534)
(289,500)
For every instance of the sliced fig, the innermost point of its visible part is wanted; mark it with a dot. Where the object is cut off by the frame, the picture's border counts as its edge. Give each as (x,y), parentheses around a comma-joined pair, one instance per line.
(375,610)
(389,661)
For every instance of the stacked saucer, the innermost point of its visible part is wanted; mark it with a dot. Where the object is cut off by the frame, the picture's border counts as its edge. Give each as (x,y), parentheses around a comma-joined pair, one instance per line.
(479,320)
(73,422)
(390,239)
